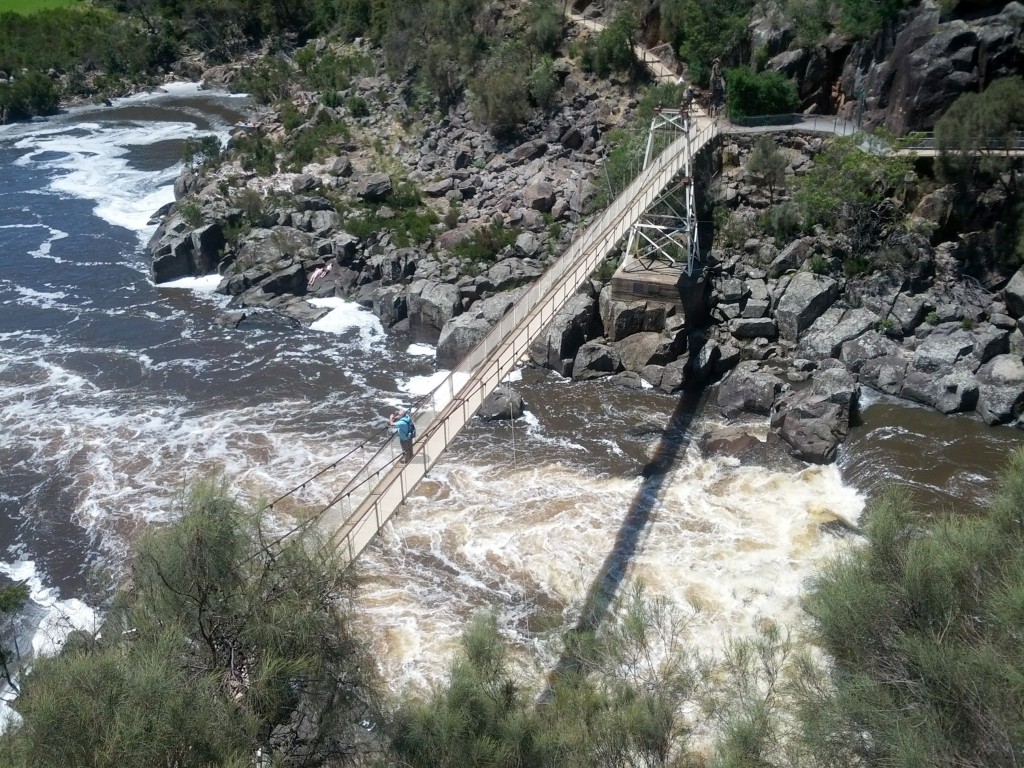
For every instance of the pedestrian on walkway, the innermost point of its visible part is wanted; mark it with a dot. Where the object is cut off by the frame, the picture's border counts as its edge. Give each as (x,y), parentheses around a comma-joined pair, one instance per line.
(402,423)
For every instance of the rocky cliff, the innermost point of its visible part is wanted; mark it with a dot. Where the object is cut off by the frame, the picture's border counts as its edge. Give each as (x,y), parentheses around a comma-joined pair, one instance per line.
(799,336)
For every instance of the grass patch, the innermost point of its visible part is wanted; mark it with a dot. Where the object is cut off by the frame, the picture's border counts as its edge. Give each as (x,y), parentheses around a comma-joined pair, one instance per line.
(31,6)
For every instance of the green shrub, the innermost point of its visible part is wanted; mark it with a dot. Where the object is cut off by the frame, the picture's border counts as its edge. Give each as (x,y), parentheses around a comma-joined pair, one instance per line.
(781,221)
(256,153)
(848,188)
(80,39)
(314,142)
(291,118)
(268,81)
(192,213)
(819,265)
(922,626)
(227,632)
(856,265)
(705,30)
(500,90)
(29,95)
(612,50)
(768,165)
(759,93)
(545,25)
(862,18)
(357,106)
(201,152)
(542,83)
(974,134)
(487,242)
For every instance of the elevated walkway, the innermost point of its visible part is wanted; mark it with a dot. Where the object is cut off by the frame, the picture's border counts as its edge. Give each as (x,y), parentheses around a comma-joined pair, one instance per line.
(370,498)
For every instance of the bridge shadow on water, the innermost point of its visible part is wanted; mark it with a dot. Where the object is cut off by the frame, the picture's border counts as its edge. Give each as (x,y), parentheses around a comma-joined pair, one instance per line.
(656,474)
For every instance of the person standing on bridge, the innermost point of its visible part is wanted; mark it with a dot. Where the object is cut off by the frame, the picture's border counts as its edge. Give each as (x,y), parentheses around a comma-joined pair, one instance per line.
(401,422)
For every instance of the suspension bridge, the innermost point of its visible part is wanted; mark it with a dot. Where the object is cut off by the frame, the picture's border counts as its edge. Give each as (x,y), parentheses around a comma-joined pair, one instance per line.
(370,498)
(654,215)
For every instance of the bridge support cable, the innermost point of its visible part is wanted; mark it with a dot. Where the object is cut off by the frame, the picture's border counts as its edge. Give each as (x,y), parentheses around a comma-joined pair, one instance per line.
(356,514)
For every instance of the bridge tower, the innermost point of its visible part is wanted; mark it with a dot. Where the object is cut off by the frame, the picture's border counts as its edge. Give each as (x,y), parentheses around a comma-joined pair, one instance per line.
(667,230)
(662,247)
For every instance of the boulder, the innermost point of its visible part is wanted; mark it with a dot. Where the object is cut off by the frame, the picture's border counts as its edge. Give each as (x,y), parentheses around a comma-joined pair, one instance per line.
(173,260)
(596,359)
(673,377)
(907,75)
(390,304)
(207,248)
(947,345)
(503,404)
(373,187)
(815,420)
(868,346)
(1001,389)
(805,299)
(733,440)
(753,328)
(645,348)
(748,389)
(886,373)
(511,273)
(393,265)
(792,256)
(571,326)
(621,319)
(438,188)
(431,305)
(953,392)
(876,292)
(289,280)
(186,182)
(907,313)
(1013,294)
(304,182)
(461,334)
(539,196)
(703,360)
(531,150)
(829,332)
(990,341)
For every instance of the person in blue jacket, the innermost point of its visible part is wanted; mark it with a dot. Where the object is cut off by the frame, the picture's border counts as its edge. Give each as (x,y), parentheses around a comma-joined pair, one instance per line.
(401,422)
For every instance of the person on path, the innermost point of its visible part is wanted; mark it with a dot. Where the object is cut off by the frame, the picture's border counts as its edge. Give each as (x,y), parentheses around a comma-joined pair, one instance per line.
(401,422)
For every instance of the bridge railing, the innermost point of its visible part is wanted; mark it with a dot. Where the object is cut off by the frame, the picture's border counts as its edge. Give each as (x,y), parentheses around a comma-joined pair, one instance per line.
(358,512)
(926,141)
(790,121)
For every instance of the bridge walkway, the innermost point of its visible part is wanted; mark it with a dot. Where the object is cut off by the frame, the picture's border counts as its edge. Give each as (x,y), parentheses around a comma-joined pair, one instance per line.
(368,501)
(370,498)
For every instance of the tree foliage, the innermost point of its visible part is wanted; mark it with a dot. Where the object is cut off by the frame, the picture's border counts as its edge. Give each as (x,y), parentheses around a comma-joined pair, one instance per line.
(759,93)
(545,20)
(612,49)
(855,187)
(617,701)
(223,643)
(768,165)
(923,626)
(705,30)
(500,89)
(974,134)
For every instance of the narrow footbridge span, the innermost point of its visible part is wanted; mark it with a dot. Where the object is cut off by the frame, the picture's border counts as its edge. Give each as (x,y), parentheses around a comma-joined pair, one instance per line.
(370,498)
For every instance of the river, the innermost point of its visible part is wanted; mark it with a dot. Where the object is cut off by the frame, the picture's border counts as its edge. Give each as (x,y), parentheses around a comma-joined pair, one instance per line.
(115,394)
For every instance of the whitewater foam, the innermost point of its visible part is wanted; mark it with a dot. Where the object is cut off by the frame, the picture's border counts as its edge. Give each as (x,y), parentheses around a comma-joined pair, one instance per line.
(346,315)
